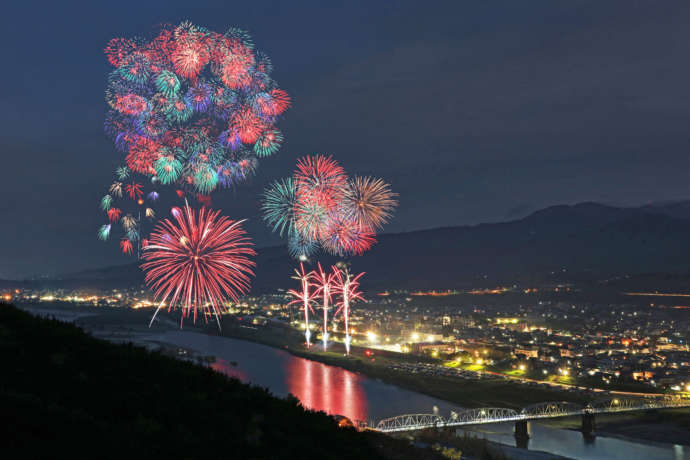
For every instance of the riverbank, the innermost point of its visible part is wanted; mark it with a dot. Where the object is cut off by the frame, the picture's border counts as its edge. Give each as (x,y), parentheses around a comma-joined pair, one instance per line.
(665,426)
(488,392)
(128,324)
(154,406)
(671,426)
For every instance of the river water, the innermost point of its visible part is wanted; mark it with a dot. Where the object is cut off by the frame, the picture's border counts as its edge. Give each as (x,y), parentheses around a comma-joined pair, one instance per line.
(338,391)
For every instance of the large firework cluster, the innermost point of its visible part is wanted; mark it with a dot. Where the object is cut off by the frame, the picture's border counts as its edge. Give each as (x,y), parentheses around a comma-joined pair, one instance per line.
(196,261)
(191,108)
(321,207)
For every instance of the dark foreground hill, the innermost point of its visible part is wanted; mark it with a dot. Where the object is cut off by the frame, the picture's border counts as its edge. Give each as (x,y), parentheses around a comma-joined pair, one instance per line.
(562,243)
(64,394)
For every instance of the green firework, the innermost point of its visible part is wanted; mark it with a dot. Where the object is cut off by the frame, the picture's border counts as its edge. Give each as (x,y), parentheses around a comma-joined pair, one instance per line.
(106,202)
(167,83)
(205,179)
(278,206)
(168,169)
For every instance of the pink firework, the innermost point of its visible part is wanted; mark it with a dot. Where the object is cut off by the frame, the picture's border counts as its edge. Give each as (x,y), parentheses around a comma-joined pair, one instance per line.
(319,182)
(324,284)
(304,297)
(344,236)
(190,55)
(348,287)
(130,104)
(235,62)
(320,178)
(199,261)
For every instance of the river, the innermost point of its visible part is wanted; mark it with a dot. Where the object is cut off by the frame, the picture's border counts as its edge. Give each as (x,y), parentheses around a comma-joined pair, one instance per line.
(338,391)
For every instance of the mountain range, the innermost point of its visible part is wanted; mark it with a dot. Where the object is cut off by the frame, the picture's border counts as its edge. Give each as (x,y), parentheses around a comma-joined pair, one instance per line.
(565,242)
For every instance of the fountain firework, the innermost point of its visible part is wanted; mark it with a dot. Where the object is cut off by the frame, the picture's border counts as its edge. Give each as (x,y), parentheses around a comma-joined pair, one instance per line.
(348,287)
(325,282)
(305,297)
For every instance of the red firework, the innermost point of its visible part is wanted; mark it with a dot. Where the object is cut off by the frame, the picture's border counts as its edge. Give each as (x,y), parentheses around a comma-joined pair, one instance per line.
(190,56)
(320,178)
(235,61)
(205,200)
(114,214)
(126,246)
(344,236)
(319,184)
(134,190)
(130,104)
(143,153)
(278,103)
(281,101)
(248,125)
(198,262)
(119,49)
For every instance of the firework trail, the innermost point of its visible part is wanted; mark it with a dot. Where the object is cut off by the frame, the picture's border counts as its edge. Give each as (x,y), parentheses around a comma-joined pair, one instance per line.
(324,283)
(199,261)
(348,287)
(304,297)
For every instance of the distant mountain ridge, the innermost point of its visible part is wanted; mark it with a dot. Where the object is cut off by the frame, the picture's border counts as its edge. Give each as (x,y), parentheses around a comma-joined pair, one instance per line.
(586,239)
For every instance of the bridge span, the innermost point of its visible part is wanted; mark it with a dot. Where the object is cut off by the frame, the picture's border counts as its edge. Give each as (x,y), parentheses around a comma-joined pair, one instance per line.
(485,415)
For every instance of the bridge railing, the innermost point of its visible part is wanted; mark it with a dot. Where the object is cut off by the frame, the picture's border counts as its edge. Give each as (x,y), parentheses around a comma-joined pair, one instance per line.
(409,422)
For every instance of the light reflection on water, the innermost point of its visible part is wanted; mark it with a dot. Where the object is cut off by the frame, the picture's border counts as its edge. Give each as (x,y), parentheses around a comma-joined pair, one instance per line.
(318,386)
(338,391)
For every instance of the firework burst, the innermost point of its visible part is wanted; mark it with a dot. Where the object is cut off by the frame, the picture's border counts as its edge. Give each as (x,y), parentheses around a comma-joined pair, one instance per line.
(198,262)
(104,232)
(321,207)
(106,202)
(191,91)
(368,202)
(126,246)
(280,199)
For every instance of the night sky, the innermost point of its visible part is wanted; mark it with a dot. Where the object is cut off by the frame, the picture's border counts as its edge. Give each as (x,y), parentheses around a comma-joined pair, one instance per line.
(473,111)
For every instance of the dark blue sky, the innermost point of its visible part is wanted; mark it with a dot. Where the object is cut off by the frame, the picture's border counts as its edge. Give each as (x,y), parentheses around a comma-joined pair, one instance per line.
(474,111)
